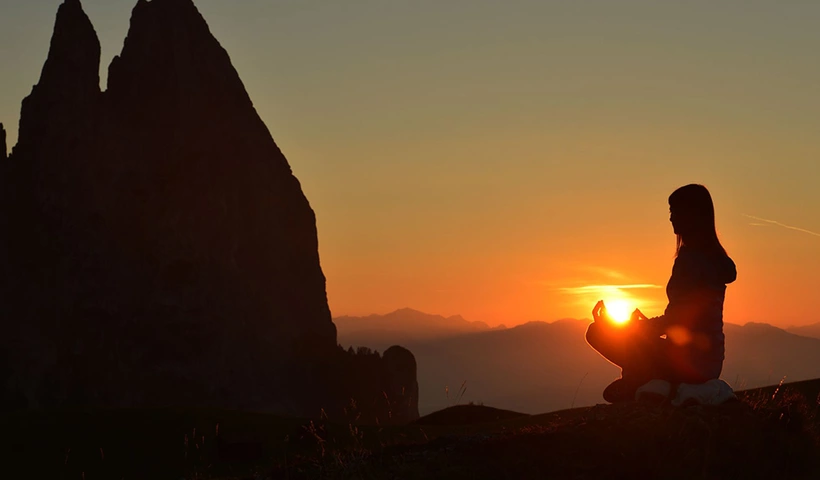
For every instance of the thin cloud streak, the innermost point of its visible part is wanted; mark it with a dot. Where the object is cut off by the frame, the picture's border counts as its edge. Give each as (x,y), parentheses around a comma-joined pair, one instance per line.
(605,271)
(775,222)
(586,289)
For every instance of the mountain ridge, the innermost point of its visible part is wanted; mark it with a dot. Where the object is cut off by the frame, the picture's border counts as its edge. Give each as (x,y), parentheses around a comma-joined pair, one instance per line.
(403,325)
(811,330)
(544,366)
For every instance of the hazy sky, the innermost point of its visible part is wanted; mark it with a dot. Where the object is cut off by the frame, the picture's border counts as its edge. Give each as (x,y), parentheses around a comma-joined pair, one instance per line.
(501,159)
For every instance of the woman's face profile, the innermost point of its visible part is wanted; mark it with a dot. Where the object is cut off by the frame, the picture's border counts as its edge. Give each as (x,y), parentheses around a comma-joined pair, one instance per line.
(677,222)
(672,219)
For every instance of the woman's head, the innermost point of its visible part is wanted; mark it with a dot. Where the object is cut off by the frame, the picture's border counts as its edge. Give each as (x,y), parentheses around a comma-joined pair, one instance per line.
(692,214)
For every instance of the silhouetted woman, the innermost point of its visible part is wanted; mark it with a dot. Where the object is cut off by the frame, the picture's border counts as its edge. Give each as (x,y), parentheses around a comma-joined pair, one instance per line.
(685,344)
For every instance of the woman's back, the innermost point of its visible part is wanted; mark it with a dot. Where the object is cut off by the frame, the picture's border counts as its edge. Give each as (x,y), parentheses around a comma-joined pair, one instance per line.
(697,288)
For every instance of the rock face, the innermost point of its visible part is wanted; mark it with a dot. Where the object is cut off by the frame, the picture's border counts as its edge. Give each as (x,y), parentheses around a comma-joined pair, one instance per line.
(156,247)
(403,386)
(383,389)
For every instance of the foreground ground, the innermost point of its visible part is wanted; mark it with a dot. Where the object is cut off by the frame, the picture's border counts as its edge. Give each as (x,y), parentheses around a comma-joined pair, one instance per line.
(769,433)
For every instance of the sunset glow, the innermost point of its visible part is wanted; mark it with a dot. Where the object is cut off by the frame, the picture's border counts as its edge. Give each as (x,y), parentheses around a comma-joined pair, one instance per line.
(523,174)
(619,310)
(387,238)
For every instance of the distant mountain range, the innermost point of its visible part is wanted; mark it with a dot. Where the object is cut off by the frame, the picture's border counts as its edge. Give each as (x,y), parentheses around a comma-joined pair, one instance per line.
(406,324)
(812,330)
(540,367)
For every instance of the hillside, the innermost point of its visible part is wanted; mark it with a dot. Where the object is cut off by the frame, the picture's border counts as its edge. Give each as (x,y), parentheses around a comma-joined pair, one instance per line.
(746,439)
(540,366)
(770,433)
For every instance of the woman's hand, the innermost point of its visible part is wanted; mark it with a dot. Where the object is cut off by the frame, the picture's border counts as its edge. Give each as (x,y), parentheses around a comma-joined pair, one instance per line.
(638,315)
(599,312)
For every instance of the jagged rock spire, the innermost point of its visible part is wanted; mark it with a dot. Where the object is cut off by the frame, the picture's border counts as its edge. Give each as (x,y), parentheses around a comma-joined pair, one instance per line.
(192,81)
(74,56)
(3,150)
(56,111)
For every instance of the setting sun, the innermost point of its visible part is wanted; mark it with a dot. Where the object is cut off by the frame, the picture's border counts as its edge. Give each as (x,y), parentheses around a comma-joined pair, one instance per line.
(619,311)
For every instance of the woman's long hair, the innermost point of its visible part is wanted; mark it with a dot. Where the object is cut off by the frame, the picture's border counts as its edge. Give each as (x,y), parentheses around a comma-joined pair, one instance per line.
(694,205)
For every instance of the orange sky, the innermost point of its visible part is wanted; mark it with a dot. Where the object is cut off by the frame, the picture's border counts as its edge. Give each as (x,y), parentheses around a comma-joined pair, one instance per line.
(496,159)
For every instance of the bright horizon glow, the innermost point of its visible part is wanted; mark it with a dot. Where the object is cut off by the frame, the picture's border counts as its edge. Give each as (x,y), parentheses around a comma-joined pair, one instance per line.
(619,310)
(511,161)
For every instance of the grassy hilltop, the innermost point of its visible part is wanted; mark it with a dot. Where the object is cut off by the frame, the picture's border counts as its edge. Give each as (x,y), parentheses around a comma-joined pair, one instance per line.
(770,433)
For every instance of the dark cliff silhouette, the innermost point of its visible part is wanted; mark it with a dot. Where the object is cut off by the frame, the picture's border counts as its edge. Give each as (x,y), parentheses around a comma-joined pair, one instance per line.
(157,248)
(3,149)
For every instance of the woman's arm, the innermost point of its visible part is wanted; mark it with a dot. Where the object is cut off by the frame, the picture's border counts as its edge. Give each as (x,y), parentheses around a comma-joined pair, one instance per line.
(681,291)
(658,325)
(655,326)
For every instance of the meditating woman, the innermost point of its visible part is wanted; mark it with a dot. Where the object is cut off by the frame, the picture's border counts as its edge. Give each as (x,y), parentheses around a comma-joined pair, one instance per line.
(685,344)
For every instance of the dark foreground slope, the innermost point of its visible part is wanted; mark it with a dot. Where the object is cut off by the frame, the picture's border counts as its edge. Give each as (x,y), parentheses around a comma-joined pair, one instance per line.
(770,433)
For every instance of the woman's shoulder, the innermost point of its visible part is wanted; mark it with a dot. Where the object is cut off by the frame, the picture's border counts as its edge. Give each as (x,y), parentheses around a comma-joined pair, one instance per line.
(716,265)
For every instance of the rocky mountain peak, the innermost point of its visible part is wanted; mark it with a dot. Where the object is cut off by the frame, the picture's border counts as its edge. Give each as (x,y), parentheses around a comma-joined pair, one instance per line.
(56,111)
(163,253)
(73,61)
